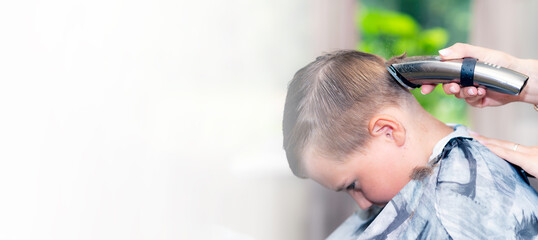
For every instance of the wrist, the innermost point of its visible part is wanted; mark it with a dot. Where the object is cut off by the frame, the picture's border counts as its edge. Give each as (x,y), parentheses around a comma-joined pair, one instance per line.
(529,94)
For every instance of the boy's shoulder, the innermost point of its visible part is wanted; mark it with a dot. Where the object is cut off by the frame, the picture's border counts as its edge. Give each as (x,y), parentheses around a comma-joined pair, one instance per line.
(466,166)
(479,195)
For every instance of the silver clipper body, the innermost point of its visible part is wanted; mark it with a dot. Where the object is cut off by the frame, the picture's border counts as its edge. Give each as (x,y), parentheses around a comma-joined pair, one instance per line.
(412,72)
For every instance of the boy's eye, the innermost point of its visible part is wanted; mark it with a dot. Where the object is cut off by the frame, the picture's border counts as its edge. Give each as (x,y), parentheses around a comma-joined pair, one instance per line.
(351,187)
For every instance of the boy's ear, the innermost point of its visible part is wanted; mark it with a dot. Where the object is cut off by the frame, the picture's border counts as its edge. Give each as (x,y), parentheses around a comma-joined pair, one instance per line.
(389,127)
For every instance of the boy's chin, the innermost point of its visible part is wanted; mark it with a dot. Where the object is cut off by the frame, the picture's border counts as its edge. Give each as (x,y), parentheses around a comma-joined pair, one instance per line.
(381,205)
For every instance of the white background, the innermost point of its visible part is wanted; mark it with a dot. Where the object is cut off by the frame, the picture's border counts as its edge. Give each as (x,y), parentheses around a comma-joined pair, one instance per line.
(150,119)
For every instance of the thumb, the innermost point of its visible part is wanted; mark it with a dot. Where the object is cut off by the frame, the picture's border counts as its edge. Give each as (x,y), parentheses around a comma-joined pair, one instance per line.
(460,50)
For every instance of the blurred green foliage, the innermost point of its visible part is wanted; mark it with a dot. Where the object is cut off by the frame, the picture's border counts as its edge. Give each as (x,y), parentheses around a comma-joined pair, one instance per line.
(451,15)
(389,33)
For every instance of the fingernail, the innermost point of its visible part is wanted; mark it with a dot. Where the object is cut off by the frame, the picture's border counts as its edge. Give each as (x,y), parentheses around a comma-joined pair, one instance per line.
(471,91)
(453,89)
(480,92)
(421,91)
(445,52)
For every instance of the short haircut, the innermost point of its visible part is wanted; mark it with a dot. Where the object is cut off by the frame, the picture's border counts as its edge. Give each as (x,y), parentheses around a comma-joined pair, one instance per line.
(330,102)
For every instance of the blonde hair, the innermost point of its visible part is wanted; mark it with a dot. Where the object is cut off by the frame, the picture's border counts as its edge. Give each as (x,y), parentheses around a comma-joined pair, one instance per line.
(330,102)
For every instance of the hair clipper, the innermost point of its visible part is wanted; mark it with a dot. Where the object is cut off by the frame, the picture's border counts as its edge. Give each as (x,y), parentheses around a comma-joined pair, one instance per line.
(412,72)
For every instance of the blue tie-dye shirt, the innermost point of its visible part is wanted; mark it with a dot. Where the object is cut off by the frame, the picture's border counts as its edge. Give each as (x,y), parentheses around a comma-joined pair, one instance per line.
(471,194)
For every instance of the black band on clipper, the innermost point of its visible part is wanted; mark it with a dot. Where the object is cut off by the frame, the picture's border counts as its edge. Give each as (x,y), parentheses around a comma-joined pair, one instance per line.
(467,72)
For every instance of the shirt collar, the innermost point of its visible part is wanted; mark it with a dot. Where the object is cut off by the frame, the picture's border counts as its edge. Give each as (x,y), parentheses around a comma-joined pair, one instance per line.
(459,131)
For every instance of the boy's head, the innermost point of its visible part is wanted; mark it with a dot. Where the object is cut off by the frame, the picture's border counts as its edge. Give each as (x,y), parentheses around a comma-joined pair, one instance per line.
(344,126)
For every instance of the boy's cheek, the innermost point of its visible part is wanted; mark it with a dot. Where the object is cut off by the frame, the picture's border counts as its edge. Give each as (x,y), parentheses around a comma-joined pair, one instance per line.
(380,197)
(382,194)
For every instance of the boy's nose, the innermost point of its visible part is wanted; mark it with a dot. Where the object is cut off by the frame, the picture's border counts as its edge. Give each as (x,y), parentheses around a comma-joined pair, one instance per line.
(360,199)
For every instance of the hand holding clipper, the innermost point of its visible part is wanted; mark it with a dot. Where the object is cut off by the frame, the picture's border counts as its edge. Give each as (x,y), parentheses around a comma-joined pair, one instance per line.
(413,72)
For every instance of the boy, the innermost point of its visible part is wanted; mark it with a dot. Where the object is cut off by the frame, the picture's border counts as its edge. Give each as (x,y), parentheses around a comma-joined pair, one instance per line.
(350,127)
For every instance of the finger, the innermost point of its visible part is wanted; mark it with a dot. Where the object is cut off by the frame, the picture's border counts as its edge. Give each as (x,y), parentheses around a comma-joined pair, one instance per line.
(480,99)
(467,92)
(475,101)
(527,162)
(481,91)
(427,88)
(459,95)
(470,94)
(478,103)
(512,156)
(503,144)
(451,88)
(498,142)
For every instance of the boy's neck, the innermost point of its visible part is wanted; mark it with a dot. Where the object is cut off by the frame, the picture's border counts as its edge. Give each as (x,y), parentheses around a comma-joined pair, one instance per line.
(428,132)
(423,132)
